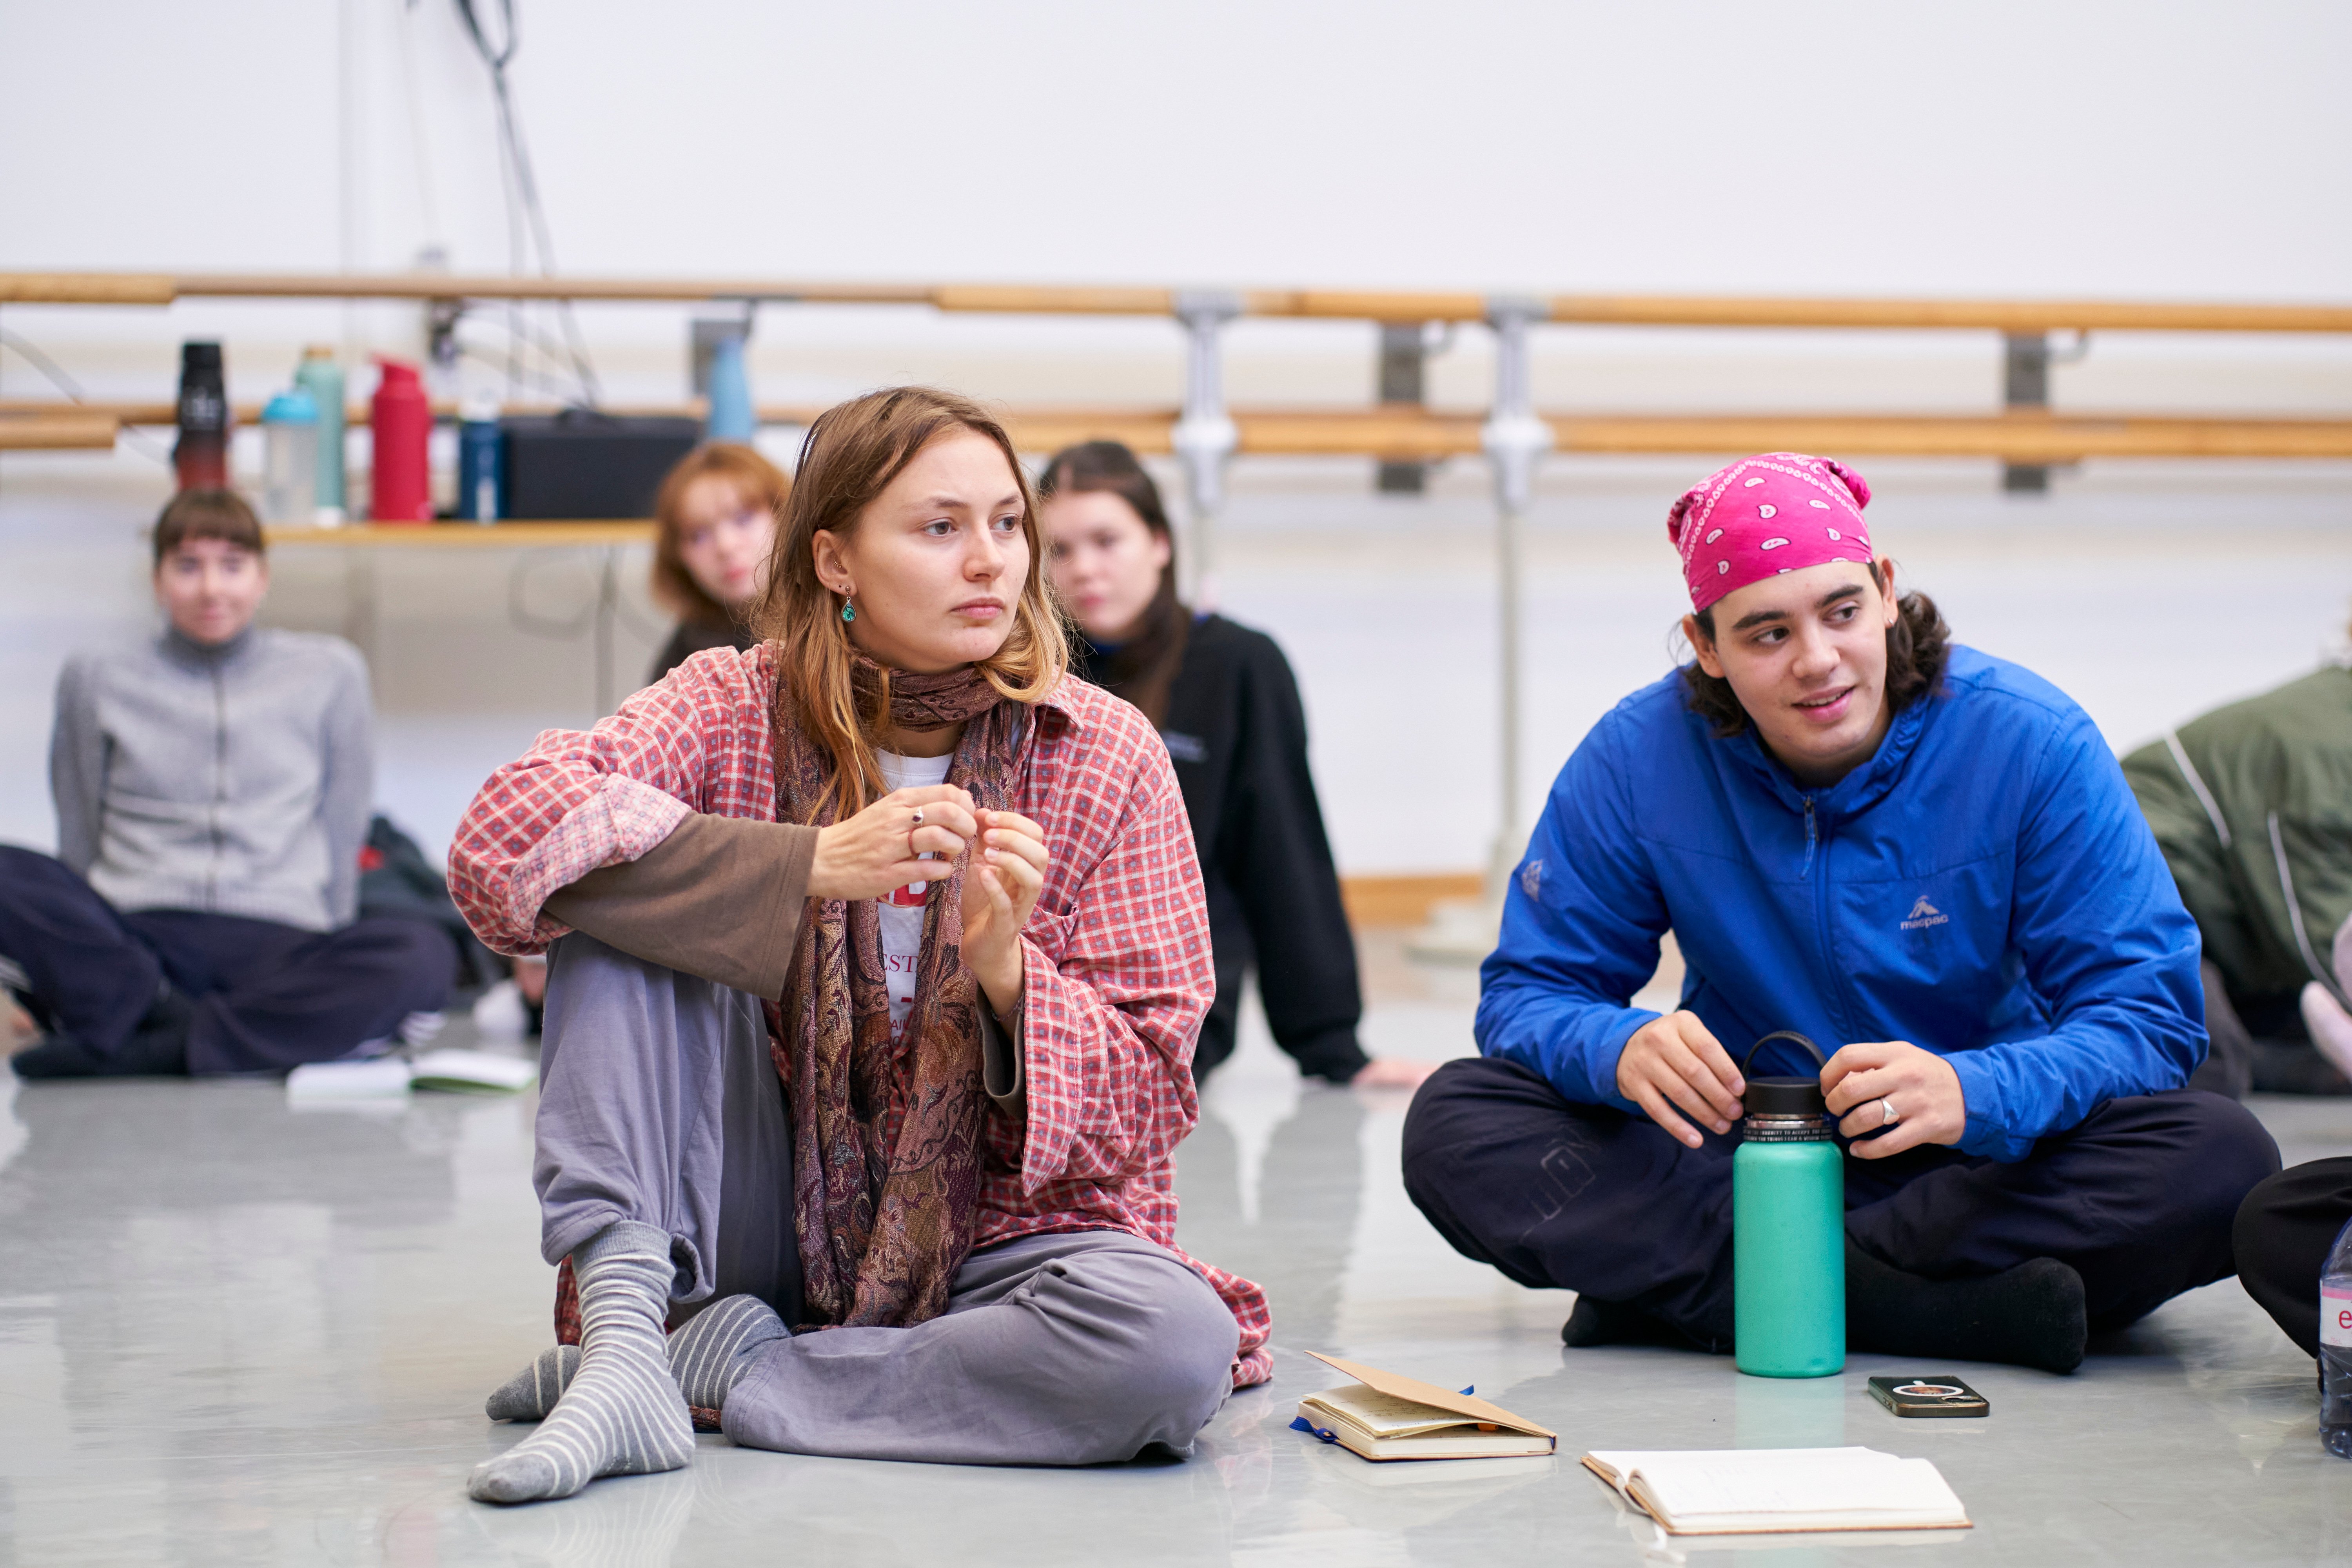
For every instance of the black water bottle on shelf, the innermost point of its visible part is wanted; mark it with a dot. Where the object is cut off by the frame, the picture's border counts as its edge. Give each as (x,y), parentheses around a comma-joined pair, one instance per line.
(200,456)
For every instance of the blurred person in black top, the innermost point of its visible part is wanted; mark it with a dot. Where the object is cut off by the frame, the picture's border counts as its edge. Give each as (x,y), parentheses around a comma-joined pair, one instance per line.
(715,527)
(1225,702)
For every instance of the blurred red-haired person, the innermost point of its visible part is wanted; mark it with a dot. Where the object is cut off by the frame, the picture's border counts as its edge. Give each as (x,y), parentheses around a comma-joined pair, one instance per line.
(715,522)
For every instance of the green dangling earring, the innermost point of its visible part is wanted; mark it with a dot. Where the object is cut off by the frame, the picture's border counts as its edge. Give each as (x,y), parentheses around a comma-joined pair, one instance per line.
(848,608)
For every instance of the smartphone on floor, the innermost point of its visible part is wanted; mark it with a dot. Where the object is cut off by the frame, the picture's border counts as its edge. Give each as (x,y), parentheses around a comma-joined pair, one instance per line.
(1932,1396)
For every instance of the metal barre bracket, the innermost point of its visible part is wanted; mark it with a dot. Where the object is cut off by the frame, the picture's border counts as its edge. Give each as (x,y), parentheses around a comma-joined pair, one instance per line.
(1514,437)
(1206,437)
(1403,383)
(2025,362)
(1514,440)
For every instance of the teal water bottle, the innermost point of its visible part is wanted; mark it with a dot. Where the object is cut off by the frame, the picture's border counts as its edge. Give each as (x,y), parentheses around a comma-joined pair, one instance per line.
(732,418)
(322,378)
(1788,1228)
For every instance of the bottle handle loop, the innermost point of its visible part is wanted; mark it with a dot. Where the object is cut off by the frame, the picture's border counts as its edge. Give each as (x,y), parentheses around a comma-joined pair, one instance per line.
(1781,1034)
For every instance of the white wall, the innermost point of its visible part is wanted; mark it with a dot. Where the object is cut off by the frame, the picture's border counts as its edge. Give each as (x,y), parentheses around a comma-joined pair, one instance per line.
(2174,149)
(2163,150)
(2167,148)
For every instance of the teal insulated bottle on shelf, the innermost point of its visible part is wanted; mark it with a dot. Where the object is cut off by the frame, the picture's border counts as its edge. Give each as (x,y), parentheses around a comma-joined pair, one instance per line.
(1788,1228)
(322,378)
(732,418)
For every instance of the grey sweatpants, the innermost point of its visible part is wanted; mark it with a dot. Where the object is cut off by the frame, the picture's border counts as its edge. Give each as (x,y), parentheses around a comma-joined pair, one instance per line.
(658,1103)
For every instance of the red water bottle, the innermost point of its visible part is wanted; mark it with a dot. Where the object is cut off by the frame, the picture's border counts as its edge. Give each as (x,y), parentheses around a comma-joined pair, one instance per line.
(401,422)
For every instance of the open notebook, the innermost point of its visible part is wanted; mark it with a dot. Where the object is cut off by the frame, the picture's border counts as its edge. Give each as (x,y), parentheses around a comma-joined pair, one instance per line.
(1384,1417)
(1770,1490)
(391,1077)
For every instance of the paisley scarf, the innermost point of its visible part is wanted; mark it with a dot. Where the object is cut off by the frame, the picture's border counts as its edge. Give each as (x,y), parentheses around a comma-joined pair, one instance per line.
(886,1136)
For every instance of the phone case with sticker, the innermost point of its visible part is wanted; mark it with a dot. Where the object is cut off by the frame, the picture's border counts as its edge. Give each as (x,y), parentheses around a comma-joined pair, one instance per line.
(1929,1397)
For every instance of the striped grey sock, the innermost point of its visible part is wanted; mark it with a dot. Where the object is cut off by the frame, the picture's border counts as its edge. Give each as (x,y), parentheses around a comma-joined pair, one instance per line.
(706,1356)
(710,1353)
(623,1413)
(531,1393)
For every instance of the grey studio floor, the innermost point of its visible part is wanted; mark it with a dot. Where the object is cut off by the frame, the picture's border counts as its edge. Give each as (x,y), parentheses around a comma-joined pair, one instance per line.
(233,1332)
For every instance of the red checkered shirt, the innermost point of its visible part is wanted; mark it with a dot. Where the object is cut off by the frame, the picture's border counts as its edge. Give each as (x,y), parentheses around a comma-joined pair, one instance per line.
(1117,967)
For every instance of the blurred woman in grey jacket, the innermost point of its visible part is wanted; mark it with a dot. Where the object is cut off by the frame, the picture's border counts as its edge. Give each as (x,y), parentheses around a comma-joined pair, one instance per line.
(211,791)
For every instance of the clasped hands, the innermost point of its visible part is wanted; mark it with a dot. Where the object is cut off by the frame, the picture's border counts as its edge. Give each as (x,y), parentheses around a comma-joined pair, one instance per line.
(1674,1063)
(874,852)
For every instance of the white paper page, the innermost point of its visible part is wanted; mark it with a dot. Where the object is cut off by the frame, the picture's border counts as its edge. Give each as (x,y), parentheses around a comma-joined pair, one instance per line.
(476,1067)
(385,1077)
(1385,1414)
(1692,1485)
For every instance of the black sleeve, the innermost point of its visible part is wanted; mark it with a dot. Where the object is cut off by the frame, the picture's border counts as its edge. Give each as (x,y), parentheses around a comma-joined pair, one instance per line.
(690,638)
(680,647)
(1273,852)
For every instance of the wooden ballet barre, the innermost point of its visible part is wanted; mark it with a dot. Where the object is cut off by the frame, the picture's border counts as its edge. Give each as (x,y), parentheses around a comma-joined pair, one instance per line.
(604,533)
(1407,435)
(450,286)
(57,432)
(131,288)
(2015,438)
(357,414)
(86,289)
(2007,315)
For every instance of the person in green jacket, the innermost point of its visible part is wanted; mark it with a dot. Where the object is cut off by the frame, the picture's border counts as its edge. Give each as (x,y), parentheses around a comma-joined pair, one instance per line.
(2251,804)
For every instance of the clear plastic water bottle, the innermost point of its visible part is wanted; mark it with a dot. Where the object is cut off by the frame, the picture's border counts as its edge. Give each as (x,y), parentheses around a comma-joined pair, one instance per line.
(2335,1347)
(289,436)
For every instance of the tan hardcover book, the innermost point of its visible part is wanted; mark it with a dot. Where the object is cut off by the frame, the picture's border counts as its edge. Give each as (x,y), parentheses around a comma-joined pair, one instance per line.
(1743,1491)
(1384,1417)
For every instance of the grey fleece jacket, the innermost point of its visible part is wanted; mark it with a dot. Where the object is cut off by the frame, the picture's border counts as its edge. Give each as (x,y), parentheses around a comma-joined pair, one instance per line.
(233,780)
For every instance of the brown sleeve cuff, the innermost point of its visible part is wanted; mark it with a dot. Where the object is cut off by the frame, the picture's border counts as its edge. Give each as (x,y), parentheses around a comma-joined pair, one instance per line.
(1000,1062)
(720,898)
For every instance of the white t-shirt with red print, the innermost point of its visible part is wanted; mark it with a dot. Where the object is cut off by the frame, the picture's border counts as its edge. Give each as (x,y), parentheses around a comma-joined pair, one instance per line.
(902,911)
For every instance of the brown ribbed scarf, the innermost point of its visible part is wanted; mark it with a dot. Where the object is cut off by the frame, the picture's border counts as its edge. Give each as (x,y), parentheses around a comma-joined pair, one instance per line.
(885,1138)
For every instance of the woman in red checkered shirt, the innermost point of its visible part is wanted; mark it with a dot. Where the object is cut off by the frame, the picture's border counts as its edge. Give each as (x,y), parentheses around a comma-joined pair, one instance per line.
(871,1011)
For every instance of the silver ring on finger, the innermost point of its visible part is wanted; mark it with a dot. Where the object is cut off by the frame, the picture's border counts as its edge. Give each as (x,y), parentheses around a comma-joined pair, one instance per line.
(1887,1117)
(918,822)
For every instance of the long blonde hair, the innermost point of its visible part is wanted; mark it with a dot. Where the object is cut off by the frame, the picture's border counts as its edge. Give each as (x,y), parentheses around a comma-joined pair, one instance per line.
(850,455)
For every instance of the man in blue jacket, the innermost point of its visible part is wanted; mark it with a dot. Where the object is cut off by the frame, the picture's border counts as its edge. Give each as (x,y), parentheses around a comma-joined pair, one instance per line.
(1914,852)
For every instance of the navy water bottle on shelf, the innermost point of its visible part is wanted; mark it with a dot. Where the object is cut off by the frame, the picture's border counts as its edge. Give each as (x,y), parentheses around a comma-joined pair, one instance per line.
(481,461)
(1788,1227)
(2335,1347)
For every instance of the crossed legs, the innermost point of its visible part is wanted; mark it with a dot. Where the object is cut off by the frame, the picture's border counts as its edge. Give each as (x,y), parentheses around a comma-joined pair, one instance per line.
(662,1137)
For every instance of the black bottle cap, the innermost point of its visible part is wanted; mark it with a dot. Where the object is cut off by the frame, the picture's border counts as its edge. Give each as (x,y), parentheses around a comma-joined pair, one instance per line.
(199,354)
(1784,1096)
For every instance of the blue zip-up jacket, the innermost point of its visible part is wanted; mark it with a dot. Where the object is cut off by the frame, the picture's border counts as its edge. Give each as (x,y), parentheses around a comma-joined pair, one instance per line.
(1984,887)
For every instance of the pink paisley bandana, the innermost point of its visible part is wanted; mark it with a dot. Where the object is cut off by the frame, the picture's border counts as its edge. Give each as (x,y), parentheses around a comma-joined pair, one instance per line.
(1781,511)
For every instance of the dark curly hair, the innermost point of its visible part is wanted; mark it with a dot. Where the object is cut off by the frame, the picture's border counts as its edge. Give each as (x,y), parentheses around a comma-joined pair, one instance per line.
(1918,645)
